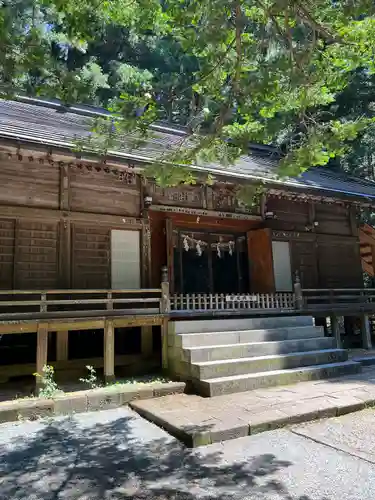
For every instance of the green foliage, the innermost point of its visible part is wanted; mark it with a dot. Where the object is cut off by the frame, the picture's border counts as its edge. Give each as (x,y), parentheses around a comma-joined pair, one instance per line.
(233,72)
(249,195)
(91,380)
(49,388)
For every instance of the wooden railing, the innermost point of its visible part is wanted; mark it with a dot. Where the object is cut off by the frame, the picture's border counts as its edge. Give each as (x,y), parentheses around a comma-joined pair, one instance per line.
(338,300)
(34,304)
(232,302)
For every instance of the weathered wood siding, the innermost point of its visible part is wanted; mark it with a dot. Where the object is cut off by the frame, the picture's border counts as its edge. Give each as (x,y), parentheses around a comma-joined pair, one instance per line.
(29,183)
(28,254)
(91,254)
(304,260)
(324,244)
(289,215)
(36,258)
(56,219)
(332,219)
(339,262)
(103,192)
(41,243)
(7,245)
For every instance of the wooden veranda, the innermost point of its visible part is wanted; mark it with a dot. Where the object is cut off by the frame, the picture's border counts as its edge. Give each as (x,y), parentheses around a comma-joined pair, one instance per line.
(62,311)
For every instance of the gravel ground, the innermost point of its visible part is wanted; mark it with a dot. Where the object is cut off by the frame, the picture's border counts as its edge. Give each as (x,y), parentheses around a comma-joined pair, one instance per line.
(115,454)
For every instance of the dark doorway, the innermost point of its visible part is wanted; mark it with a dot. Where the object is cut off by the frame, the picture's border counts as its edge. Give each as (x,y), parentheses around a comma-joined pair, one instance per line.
(207,262)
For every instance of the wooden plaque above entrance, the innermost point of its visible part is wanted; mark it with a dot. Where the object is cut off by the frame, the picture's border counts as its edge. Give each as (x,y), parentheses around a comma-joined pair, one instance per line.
(292,235)
(204,213)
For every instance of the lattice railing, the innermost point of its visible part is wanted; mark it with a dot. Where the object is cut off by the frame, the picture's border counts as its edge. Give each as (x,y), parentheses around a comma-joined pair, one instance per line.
(231,302)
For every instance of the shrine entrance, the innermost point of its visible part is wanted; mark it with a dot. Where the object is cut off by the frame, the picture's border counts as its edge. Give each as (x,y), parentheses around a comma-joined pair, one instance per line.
(210,262)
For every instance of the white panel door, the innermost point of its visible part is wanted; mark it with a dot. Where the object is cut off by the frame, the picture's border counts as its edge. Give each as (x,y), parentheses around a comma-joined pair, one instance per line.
(281,266)
(125,259)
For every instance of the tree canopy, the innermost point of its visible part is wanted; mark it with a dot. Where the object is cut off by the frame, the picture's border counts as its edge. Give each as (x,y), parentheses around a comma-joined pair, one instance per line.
(297,74)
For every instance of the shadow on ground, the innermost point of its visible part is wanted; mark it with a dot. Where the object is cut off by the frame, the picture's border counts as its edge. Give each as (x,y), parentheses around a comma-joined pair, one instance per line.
(65,459)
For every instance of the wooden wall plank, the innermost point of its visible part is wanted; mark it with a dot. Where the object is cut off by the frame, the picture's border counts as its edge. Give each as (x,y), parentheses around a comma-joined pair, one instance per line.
(91,257)
(289,215)
(102,192)
(304,260)
(115,221)
(36,262)
(29,184)
(339,262)
(7,250)
(332,219)
(158,246)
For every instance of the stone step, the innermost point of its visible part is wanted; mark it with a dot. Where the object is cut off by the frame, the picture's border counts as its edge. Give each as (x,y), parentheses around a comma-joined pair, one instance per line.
(223,325)
(250,349)
(249,382)
(245,336)
(240,366)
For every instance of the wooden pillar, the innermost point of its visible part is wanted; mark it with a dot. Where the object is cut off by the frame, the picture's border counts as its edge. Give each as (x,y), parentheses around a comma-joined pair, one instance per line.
(373,259)
(164,309)
(146,252)
(62,339)
(298,292)
(146,202)
(366,332)
(65,229)
(146,341)
(41,350)
(335,327)
(109,351)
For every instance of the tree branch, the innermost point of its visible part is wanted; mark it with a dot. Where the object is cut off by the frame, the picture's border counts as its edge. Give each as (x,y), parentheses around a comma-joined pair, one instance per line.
(238,18)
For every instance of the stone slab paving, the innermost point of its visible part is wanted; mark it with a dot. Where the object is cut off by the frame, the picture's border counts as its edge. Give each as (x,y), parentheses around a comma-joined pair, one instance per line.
(117,455)
(200,421)
(349,434)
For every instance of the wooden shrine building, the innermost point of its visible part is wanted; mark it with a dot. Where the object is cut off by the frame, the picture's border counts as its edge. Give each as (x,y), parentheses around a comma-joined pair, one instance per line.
(76,228)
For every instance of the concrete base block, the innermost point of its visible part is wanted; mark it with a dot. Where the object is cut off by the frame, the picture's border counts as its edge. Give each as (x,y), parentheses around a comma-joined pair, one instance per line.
(76,403)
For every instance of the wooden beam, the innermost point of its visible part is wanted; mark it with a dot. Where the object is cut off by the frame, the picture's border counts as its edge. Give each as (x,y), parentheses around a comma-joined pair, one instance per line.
(65,253)
(115,221)
(170,256)
(353,221)
(64,200)
(109,351)
(15,252)
(199,212)
(312,215)
(41,350)
(62,339)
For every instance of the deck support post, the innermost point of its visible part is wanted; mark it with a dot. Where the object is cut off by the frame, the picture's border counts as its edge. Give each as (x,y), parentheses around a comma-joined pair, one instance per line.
(41,351)
(109,351)
(366,332)
(164,309)
(62,339)
(298,292)
(335,327)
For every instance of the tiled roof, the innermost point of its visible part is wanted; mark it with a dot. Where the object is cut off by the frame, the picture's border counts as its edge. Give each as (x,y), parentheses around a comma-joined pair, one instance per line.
(43,122)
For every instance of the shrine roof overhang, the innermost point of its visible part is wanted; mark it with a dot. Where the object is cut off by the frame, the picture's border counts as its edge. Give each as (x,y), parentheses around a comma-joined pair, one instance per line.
(39,124)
